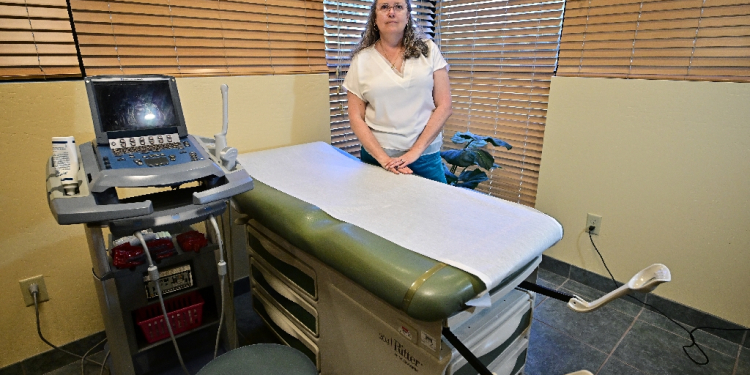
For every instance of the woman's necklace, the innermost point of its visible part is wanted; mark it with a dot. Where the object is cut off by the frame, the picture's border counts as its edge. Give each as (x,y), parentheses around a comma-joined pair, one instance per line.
(399,53)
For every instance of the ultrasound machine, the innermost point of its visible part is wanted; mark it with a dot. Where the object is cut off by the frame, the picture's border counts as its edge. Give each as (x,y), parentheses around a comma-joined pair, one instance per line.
(182,183)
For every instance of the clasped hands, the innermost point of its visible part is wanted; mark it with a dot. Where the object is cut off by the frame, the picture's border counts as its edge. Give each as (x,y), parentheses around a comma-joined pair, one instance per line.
(400,165)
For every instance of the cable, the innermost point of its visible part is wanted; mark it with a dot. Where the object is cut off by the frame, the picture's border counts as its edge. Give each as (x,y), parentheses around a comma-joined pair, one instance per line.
(34,289)
(230,261)
(222,265)
(690,332)
(153,273)
(104,361)
(83,372)
(602,258)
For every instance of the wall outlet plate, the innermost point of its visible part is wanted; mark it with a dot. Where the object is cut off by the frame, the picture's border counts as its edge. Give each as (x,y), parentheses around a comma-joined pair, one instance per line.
(27,297)
(595,221)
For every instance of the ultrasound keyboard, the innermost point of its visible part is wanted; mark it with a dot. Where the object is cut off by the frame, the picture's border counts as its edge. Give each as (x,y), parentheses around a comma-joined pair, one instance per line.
(149,151)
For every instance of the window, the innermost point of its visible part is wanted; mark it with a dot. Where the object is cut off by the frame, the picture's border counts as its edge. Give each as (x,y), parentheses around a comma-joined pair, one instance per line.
(344,23)
(200,37)
(657,39)
(176,37)
(502,55)
(36,40)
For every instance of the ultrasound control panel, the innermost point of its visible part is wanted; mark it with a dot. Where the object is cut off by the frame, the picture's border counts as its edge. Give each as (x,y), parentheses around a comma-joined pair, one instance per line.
(149,151)
(142,141)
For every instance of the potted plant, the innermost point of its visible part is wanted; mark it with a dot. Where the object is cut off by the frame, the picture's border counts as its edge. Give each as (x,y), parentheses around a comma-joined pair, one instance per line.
(473,153)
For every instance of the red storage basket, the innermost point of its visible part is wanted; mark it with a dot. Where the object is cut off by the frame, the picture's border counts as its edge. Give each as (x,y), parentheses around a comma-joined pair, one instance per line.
(185,313)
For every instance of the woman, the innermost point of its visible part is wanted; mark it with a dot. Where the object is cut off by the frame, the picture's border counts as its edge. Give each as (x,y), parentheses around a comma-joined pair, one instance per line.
(398,93)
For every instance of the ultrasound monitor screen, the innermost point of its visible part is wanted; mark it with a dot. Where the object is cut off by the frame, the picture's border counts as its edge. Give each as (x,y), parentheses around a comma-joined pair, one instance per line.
(138,105)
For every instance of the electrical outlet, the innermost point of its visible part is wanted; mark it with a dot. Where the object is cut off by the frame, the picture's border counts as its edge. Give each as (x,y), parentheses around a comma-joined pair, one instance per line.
(595,221)
(27,297)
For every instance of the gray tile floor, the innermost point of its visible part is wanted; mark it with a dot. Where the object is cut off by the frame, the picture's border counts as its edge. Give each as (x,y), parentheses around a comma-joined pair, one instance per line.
(620,339)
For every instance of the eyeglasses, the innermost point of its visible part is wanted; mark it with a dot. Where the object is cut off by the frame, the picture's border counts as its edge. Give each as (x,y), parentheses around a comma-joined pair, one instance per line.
(398,7)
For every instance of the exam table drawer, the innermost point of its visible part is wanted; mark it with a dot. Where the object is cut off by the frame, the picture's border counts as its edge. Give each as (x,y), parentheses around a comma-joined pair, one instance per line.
(498,295)
(511,362)
(504,313)
(285,329)
(293,272)
(495,334)
(292,304)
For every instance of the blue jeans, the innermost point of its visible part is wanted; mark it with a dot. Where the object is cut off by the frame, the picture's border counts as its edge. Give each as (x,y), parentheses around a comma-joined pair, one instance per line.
(428,166)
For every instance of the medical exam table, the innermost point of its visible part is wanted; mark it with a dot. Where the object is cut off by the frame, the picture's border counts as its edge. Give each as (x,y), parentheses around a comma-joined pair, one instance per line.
(359,299)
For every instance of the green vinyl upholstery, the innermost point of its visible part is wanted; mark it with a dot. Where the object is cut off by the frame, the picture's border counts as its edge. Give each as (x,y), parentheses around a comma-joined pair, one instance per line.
(378,265)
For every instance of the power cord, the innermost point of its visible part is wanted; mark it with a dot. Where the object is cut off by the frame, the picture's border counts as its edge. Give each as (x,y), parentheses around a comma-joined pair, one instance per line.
(153,273)
(83,371)
(222,270)
(101,372)
(689,332)
(34,290)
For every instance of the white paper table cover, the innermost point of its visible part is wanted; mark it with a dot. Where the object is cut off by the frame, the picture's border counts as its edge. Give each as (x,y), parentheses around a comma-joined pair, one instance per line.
(485,236)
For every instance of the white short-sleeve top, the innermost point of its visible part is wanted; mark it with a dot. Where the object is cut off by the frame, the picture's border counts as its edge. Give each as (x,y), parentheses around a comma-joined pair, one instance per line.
(398,106)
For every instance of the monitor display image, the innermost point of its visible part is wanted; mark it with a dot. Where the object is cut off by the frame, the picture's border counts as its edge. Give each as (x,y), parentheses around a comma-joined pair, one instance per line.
(141,105)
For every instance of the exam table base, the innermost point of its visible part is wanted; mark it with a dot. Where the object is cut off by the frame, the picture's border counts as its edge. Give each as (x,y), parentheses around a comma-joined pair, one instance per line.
(345,329)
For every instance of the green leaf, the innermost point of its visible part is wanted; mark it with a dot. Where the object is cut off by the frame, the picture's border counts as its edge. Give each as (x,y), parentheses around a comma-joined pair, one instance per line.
(450,177)
(460,137)
(478,140)
(470,179)
(461,158)
(485,159)
(498,142)
(468,175)
(478,143)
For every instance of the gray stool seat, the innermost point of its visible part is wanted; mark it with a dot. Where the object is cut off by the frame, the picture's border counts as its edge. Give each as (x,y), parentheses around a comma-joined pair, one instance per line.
(261,359)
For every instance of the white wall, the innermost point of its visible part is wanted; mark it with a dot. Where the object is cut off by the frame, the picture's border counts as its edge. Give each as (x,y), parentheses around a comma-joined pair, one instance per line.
(667,165)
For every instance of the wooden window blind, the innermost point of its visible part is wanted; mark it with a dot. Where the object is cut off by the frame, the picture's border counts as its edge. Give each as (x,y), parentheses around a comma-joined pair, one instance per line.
(502,56)
(344,23)
(200,37)
(657,39)
(36,40)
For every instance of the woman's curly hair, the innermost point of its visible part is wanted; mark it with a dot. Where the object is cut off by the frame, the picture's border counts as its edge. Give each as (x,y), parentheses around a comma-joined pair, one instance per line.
(414,37)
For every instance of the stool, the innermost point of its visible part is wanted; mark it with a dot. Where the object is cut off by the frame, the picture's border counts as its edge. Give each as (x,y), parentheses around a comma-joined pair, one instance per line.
(261,359)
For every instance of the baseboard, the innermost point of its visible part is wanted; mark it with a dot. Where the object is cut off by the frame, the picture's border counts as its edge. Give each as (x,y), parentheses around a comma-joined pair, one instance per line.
(52,359)
(242,286)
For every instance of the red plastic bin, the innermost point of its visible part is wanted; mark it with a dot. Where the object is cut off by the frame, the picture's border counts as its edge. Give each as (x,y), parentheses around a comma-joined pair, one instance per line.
(185,313)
